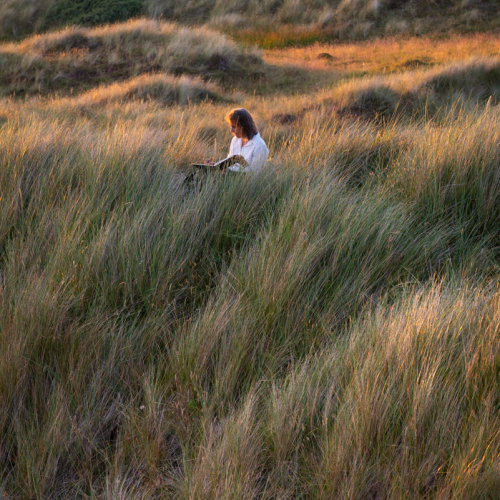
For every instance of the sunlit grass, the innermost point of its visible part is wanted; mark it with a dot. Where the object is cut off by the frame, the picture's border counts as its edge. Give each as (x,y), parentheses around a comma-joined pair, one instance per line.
(387,55)
(325,329)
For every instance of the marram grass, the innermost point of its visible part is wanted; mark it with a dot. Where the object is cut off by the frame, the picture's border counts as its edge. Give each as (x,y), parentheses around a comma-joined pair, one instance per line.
(325,329)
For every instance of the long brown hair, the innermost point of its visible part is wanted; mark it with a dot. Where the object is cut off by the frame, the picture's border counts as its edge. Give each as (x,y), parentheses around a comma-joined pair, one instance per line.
(242,118)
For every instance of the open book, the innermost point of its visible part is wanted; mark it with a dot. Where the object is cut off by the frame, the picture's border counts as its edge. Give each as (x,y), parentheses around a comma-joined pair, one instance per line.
(223,164)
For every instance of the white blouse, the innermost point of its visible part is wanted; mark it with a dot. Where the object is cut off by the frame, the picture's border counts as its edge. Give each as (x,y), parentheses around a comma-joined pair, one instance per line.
(254,151)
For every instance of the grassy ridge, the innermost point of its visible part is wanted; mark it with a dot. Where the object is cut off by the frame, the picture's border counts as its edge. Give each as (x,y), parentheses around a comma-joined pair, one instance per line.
(79,59)
(326,329)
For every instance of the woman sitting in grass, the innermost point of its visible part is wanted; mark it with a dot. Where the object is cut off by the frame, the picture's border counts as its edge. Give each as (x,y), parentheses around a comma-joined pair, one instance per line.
(247,146)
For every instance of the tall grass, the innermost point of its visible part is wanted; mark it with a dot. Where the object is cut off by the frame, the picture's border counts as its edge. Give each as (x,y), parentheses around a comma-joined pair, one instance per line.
(447,182)
(278,335)
(325,329)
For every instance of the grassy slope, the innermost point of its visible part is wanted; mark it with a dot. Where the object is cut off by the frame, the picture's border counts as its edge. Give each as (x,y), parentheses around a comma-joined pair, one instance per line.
(78,59)
(263,22)
(327,329)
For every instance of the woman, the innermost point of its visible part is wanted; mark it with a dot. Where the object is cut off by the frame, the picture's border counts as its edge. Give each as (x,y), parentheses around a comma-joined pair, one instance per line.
(247,146)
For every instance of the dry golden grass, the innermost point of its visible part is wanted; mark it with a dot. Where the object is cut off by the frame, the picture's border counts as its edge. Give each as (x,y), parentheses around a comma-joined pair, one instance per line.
(386,55)
(81,58)
(163,89)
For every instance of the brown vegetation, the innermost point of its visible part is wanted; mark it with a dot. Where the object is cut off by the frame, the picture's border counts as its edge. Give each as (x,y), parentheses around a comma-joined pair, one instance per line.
(328,328)
(276,23)
(163,89)
(79,58)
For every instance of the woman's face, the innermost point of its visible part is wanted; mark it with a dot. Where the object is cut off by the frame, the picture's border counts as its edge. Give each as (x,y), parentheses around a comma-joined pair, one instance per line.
(237,131)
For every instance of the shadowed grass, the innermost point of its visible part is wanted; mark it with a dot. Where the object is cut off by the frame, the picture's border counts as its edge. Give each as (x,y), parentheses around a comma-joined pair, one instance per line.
(325,329)
(448,183)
